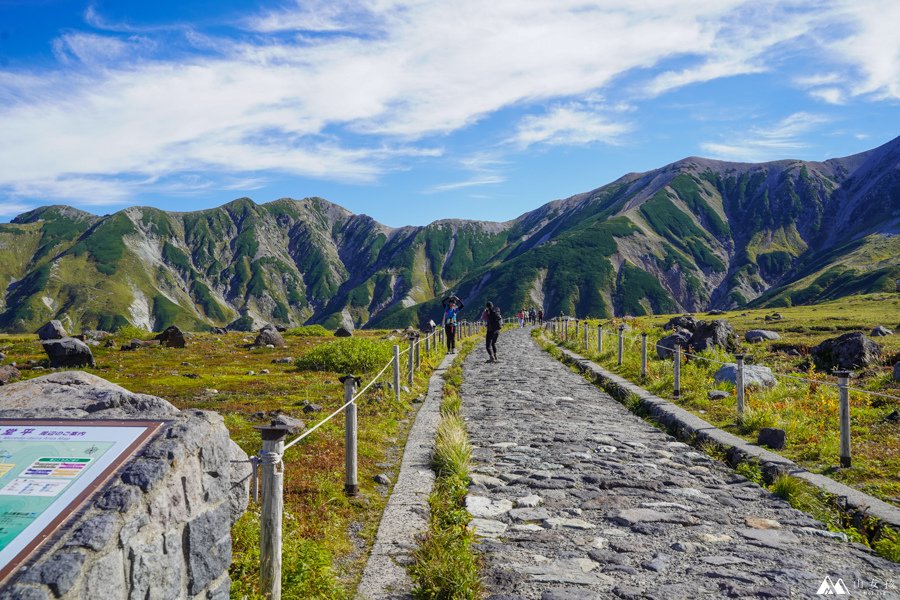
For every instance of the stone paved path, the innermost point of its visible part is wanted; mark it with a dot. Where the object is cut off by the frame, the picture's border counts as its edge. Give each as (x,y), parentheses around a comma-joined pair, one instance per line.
(578,499)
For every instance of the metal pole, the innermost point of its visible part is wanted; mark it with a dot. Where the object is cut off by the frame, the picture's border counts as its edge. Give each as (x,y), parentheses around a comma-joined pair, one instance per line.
(739,386)
(270,526)
(677,371)
(621,343)
(351,484)
(643,355)
(412,358)
(843,382)
(397,371)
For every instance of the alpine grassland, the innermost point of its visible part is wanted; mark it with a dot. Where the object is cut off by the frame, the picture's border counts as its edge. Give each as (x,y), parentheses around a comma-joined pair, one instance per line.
(327,535)
(804,402)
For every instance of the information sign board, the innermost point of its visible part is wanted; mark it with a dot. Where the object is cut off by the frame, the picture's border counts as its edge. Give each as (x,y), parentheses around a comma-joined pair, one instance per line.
(48,468)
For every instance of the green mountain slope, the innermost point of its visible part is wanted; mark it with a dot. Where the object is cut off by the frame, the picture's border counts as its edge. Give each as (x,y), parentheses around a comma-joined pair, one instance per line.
(693,235)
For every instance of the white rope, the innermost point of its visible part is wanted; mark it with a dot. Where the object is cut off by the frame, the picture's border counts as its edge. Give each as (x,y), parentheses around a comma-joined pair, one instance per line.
(332,415)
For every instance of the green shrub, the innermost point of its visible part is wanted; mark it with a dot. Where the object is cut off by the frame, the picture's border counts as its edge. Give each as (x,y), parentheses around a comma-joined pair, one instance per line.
(349,355)
(132,332)
(452,451)
(308,331)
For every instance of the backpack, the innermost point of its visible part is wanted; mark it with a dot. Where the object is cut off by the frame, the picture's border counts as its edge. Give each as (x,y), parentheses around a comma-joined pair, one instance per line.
(495,321)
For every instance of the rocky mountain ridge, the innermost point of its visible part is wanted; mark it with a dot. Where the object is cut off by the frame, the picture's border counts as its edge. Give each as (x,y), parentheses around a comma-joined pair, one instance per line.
(693,235)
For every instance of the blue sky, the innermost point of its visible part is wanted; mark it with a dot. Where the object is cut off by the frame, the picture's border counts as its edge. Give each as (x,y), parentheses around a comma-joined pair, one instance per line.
(411,111)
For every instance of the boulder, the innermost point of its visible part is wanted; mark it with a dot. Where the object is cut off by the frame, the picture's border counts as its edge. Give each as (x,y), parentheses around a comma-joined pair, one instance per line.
(68,352)
(683,322)
(665,348)
(172,337)
(716,312)
(96,334)
(714,334)
(771,437)
(218,331)
(8,374)
(848,351)
(897,371)
(52,331)
(754,375)
(881,331)
(758,335)
(269,335)
(342,332)
(717,395)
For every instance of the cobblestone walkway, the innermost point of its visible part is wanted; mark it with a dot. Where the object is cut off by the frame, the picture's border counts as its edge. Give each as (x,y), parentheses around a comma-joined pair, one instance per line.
(578,499)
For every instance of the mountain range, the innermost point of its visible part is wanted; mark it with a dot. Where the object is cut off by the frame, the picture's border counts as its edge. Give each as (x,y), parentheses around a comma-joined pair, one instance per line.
(694,235)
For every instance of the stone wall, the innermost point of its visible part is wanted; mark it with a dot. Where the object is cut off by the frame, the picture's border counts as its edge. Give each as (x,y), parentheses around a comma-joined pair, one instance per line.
(161,528)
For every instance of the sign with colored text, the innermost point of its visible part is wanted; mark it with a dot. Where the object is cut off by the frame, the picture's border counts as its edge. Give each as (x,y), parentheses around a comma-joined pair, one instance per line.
(48,468)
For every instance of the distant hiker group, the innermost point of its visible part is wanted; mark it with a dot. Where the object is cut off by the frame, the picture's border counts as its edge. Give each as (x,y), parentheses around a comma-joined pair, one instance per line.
(492,319)
(530,316)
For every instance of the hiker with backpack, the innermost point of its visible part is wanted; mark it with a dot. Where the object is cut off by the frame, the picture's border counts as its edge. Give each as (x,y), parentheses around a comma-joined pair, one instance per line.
(493,324)
(452,305)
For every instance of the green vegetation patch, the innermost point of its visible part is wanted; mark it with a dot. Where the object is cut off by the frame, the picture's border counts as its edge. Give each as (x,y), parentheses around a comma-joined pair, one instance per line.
(669,221)
(308,331)
(349,355)
(634,285)
(105,242)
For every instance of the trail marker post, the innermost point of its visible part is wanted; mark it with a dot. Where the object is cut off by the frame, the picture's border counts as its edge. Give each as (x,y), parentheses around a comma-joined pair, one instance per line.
(644,355)
(621,343)
(677,366)
(843,383)
(351,484)
(397,371)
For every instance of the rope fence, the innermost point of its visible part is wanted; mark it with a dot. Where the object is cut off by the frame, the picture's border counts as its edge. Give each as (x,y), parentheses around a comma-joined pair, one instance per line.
(573,330)
(268,466)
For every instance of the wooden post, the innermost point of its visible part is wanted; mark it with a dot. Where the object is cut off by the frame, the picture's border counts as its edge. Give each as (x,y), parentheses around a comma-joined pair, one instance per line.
(567,330)
(418,356)
(621,343)
(427,344)
(843,382)
(254,478)
(586,333)
(270,526)
(397,371)
(412,359)
(351,484)
(644,355)
(677,370)
(600,339)
(576,330)
(739,386)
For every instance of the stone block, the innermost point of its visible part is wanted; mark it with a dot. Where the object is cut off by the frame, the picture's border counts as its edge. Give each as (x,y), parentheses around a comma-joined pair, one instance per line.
(208,547)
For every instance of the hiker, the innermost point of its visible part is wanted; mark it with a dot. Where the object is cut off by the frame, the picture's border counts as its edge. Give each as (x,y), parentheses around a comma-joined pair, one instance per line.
(531,316)
(452,305)
(520,317)
(493,324)
(540,316)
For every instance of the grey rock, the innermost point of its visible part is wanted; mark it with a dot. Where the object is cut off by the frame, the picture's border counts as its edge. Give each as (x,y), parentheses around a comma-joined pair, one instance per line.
(208,547)
(529,514)
(634,516)
(770,538)
(105,579)
(848,351)
(755,376)
(20,592)
(489,528)
(688,322)
(311,407)
(60,572)
(286,360)
(53,330)
(342,332)
(717,395)
(881,331)
(897,371)
(771,437)
(578,571)
(145,472)
(760,335)
(269,335)
(714,334)
(628,592)
(68,352)
(562,522)
(221,591)
(570,593)
(530,501)
(382,479)
(665,347)
(293,425)
(172,337)
(479,506)
(659,563)
(95,533)
(8,374)
(120,498)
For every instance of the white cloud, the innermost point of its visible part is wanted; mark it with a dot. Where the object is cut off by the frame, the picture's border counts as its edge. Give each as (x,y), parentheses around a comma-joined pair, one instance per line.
(474,182)
(11,209)
(568,125)
(829,95)
(348,90)
(762,144)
